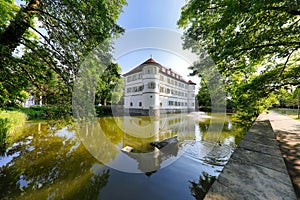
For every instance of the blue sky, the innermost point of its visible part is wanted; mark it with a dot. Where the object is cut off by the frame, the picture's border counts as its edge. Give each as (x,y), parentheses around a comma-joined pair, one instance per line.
(162,14)
(151,13)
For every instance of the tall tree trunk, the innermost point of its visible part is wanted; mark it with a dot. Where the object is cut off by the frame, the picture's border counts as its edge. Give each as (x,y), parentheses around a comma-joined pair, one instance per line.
(10,38)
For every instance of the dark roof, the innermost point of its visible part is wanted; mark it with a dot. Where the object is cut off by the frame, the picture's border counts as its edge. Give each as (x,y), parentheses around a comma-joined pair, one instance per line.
(139,68)
(134,70)
(151,61)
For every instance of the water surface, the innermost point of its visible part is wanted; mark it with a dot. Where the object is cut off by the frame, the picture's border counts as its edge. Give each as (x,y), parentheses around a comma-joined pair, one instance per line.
(87,161)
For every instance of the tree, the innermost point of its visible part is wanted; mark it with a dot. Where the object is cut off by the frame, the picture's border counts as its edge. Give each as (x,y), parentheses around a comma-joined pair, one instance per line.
(55,36)
(203,96)
(107,84)
(255,45)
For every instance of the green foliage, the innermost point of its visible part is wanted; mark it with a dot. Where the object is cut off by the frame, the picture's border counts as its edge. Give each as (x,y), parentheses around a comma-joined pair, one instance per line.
(102,111)
(10,122)
(109,84)
(45,112)
(3,132)
(15,119)
(255,45)
(203,97)
(43,44)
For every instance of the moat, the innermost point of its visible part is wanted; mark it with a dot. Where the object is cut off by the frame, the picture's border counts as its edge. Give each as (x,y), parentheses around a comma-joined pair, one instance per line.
(87,161)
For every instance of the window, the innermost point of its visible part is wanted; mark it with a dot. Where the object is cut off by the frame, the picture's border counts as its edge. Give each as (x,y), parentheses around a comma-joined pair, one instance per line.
(154,70)
(161,89)
(128,78)
(140,76)
(151,85)
(170,103)
(141,88)
(131,104)
(160,104)
(161,77)
(168,91)
(147,71)
(128,90)
(134,77)
(140,104)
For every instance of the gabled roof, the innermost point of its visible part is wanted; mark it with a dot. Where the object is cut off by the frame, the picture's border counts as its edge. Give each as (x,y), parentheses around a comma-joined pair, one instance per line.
(139,68)
(167,72)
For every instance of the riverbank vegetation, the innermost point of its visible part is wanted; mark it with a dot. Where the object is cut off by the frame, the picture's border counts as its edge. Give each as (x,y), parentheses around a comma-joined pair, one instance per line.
(10,122)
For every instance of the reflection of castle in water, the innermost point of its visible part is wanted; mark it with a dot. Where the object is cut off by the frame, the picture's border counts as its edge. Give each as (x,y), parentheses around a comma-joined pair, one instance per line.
(140,131)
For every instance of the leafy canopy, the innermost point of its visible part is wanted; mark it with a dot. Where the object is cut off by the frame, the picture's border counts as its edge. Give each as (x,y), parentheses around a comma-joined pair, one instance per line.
(45,40)
(255,45)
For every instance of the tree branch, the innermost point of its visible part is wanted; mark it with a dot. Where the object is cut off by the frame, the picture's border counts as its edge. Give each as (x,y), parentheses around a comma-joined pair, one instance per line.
(9,39)
(285,9)
(287,60)
(32,80)
(272,45)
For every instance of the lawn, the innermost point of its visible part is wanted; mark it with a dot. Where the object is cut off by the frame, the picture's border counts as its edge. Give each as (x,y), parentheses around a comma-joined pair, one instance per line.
(292,113)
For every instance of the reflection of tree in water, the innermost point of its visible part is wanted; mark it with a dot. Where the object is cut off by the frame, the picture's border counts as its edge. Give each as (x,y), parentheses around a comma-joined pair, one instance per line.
(204,126)
(111,128)
(230,129)
(47,165)
(200,189)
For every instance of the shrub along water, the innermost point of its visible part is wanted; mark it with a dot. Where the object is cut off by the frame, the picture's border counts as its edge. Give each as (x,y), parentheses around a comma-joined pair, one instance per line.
(10,121)
(45,113)
(3,132)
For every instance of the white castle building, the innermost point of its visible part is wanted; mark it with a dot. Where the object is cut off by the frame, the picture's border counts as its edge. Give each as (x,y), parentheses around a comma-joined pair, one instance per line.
(151,89)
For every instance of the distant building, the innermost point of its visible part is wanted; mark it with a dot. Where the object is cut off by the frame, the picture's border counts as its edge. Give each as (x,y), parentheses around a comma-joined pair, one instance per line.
(30,101)
(151,89)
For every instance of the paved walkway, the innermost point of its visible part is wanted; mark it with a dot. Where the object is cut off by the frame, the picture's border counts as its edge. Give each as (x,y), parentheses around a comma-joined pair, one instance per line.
(287,133)
(256,169)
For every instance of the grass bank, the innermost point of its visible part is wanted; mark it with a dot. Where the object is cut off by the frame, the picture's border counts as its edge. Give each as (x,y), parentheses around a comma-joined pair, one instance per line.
(292,113)
(10,122)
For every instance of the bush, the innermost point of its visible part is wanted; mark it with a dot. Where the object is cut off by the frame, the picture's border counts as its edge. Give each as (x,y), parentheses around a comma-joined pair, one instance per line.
(3,132)
(46,112)
(10,121)
(102,111)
